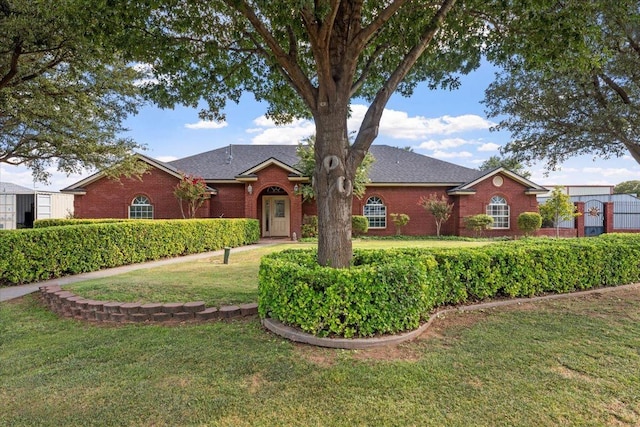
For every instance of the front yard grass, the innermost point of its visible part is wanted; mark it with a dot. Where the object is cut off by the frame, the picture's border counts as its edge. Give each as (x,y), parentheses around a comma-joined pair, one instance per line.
(210,280)
(572,361)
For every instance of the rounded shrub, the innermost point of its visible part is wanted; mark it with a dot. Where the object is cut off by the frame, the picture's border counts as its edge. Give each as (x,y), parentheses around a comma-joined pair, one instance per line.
(529,222)
(382,293)
(359,225)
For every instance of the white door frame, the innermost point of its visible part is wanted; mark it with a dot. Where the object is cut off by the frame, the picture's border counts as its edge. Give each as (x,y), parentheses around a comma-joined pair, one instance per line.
(276,216)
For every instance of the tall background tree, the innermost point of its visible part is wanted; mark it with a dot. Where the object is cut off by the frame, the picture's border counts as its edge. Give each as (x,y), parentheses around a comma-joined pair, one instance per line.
(627,187)
(63,94)
(570,83)
(309,59)
(509,163)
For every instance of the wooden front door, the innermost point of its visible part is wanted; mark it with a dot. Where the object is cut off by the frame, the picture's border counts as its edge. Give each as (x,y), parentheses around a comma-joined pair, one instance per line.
(275,216)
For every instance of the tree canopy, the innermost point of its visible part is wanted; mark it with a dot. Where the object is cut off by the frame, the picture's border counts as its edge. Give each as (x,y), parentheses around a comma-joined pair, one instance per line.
(509,163)
(627,187)
(63,95)
(308,59)
(570,83)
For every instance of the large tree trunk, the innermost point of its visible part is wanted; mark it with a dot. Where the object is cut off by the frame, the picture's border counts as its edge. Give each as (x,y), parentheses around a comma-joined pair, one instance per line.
(333,186)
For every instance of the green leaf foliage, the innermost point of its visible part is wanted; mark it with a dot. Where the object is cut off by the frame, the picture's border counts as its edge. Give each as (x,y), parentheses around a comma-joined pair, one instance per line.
(359,225)
(64,92)
(568,83)
(478,223)
(30,255)
(529,222)
(628,187)
(389,291)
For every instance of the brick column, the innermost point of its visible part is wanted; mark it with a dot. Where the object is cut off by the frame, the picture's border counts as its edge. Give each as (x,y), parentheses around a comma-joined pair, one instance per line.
(579,222)
(608,217)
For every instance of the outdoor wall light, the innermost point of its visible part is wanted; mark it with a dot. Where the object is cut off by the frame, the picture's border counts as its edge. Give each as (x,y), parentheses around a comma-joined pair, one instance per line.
(250,189)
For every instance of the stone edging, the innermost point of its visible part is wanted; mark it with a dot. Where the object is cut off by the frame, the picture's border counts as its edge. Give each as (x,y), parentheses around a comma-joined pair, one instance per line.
(297,335)
(68,304)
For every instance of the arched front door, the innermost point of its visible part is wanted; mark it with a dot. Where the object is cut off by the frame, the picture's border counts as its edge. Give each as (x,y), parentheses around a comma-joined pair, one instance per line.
(276,216)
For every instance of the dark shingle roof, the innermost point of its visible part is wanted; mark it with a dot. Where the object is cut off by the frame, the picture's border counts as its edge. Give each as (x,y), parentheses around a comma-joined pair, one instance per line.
(392,165)
(230,161)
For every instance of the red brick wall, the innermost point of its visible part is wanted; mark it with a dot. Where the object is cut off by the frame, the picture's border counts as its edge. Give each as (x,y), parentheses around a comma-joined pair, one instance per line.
(106,198)
(512,191)
(404,200)
(229,202)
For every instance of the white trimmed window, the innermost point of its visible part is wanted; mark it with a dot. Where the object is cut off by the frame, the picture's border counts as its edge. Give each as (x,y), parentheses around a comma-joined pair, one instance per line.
(141,208)
(376,212)
(499,210)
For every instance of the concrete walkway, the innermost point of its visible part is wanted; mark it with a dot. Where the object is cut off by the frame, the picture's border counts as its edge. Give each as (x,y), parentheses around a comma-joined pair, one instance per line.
(12,292)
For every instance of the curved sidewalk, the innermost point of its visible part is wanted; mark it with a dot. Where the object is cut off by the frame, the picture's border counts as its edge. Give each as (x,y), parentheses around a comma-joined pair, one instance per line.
(12,292)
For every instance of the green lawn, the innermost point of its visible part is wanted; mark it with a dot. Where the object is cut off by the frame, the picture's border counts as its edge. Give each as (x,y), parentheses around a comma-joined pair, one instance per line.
(210,280)
(565,362)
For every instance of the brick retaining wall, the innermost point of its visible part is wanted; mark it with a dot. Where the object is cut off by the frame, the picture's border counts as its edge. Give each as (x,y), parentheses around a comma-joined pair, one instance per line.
(68,304)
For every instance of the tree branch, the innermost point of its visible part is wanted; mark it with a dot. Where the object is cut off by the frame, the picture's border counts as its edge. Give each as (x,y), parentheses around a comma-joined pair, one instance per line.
(13,64)
(616,88)
(291,69)
(369,127)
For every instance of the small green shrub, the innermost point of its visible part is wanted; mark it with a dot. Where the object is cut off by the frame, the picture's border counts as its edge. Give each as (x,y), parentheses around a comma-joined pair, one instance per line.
(529,222)
(43,253)
(399,220)
(309,226)
(359,225)
(478,223)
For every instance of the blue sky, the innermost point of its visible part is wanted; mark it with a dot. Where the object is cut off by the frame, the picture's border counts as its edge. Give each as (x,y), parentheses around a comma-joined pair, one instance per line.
(449,125)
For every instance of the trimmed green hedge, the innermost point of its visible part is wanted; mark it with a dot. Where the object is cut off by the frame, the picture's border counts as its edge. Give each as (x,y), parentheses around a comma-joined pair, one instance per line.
(57,222)
(37,254)
(364,300)
(392,291)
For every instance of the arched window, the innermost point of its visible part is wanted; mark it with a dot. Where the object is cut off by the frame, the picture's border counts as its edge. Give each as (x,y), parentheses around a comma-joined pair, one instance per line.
(141,208)
(376,212)
(499,210)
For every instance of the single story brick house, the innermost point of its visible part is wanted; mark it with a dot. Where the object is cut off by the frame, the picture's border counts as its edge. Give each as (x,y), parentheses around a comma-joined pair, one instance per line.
(260,181)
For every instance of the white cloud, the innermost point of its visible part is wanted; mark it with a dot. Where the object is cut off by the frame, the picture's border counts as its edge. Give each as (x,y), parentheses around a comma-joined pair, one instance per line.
(270,133)
(433,144)
(451,155)
(393,124)
(206,124)
(611,172)
(489,146)
(399,125)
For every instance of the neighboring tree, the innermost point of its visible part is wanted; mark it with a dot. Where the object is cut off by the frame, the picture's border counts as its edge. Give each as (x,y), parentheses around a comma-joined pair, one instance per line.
(399,220)
(63,95)
(440,208)
(558,208)
(192,192)
(308,59)
(529,222)
(570,83)
(627,187)
(307,165)
(478,223)
(509,163)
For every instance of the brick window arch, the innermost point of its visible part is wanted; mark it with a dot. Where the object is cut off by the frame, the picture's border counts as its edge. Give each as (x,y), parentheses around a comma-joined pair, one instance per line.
(498,209)
(376,212)
(141,208)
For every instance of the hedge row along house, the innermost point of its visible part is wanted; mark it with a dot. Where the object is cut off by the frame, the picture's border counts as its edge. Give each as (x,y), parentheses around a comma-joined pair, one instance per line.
(261,181)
